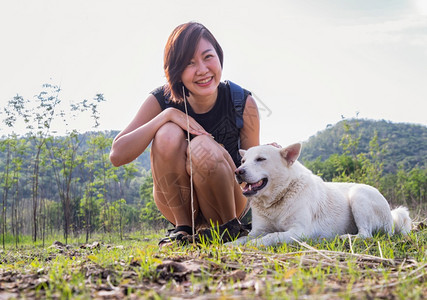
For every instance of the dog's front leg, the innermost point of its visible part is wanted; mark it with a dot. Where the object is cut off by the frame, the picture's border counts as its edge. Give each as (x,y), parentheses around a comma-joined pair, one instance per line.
(276,238)
(240,241)
(244,239)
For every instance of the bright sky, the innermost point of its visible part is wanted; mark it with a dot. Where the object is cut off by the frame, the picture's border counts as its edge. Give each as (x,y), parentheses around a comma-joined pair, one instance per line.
(307,62)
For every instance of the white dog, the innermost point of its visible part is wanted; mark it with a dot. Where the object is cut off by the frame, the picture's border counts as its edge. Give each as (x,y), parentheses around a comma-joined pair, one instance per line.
(289,202)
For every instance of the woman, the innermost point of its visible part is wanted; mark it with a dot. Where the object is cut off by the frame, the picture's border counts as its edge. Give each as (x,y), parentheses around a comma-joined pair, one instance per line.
(193,62)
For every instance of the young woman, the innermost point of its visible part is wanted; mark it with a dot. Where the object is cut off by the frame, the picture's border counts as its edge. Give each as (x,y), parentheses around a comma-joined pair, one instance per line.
(193,62)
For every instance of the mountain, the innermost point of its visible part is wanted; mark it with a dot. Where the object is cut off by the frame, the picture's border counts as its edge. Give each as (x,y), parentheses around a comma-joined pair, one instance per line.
(405,144)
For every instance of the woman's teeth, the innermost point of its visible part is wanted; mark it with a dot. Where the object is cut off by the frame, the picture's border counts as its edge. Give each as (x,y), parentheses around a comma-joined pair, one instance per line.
(205,80)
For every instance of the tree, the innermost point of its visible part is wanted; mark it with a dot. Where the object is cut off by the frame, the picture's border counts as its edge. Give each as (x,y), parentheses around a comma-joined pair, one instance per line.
(6,184)
(64,161)
(150,214)
(412,186)
(104,173)
(129,174)
(13,148)
(374,165)
(41,117)
(89,158)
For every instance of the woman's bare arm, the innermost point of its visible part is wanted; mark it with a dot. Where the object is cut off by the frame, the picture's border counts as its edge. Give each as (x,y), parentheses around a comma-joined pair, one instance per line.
(136,137)
(249,134)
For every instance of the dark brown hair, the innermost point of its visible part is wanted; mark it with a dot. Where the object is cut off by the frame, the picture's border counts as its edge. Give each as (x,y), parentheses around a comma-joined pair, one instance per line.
(179,51)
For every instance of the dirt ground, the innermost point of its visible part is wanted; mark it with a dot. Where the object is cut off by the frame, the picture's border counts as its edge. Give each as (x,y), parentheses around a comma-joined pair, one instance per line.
(195,274)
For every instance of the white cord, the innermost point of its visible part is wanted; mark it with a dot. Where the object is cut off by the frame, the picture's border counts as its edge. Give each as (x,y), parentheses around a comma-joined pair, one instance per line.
(191,163)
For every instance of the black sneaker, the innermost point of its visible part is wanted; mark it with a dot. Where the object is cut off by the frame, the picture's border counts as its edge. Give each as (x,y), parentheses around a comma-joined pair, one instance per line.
(225,233)
(180,235)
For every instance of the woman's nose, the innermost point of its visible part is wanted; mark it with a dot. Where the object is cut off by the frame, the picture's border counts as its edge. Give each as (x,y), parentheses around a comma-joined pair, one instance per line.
(202,69)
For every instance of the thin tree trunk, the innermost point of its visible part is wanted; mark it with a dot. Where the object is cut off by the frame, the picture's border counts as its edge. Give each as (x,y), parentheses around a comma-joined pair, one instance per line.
(35,192)
(5,195)
(43,205)
(14,215)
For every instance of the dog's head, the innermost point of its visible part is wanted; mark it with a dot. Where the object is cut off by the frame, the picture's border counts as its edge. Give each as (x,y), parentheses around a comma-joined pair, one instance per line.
(264,167)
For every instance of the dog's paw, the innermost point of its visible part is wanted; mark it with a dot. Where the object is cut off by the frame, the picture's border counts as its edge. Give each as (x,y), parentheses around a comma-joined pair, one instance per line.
(239,242)
(259,242)
(347,236)
(253,243)
(354,236)
(233,244)
(268,240)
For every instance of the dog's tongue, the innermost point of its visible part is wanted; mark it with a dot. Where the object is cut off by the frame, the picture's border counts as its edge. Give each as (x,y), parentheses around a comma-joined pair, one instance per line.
(251,186)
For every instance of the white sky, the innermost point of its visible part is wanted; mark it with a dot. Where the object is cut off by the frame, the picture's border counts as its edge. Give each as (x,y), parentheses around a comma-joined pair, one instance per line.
(309,62)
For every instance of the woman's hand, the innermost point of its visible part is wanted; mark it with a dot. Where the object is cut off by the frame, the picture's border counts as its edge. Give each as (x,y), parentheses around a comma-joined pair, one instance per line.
(178,117)
(274,144)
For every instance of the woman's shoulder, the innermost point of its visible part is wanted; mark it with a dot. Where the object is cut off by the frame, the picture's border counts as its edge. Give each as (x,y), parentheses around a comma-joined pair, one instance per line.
(160,93)
(162,96)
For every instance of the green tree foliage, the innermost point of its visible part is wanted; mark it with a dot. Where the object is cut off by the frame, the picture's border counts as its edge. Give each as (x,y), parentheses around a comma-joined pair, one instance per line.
(63,154)
(412,186)
(10,169)
(149,212)
(49,182)
(404,187)
(404,145)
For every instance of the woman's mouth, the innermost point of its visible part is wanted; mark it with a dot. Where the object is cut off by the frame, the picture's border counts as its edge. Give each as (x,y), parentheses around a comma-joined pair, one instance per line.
(204,82)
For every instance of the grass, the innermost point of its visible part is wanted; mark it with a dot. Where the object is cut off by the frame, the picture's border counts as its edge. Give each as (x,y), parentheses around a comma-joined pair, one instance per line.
(382,267)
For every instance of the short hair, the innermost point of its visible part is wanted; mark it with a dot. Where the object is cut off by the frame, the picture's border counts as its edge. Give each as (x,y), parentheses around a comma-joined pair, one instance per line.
(179,51)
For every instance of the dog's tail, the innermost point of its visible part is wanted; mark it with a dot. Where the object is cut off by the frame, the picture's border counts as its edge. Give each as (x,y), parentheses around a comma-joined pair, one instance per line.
(401,220)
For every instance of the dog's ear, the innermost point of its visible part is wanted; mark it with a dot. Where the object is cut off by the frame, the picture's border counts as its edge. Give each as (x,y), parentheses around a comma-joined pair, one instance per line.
(291,153)
(242,152)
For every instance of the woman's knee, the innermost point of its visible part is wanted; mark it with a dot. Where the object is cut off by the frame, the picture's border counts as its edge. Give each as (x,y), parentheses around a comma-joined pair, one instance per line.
(206,153)
(169,141)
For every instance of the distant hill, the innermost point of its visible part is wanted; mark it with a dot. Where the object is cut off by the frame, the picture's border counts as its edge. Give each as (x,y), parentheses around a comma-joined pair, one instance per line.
(405,144)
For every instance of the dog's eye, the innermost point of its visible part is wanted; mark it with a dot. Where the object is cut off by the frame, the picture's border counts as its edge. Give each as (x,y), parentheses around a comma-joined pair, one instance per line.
(260,159)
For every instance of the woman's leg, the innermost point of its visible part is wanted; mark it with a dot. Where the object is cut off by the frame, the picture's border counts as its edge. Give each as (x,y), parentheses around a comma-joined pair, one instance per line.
(171,186)
(216,193)
(219,196)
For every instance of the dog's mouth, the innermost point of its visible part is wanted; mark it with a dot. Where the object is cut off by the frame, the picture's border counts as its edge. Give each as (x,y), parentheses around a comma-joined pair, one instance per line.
(250,189)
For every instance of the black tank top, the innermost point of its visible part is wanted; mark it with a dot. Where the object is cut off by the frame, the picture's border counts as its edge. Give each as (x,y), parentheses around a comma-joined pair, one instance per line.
(220,121)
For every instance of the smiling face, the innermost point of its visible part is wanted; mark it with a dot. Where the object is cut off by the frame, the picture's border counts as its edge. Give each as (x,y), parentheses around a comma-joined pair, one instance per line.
(203,73)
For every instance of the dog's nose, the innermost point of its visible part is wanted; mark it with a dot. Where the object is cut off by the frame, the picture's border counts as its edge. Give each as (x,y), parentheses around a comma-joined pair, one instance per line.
(239,171)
